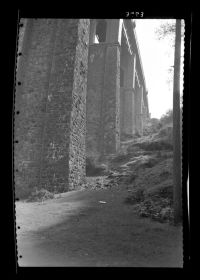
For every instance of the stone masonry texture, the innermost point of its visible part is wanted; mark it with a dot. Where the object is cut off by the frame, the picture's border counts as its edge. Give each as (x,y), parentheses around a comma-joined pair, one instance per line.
(103,100)
(94,134)
(68,103)
(111,101)
(53,75)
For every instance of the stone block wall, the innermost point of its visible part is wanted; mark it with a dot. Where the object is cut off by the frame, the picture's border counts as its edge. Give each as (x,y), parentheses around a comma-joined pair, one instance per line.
(53,74)
(96,68)
(103,100)
(127,110)
(111,101)
(138,98)
(77,148)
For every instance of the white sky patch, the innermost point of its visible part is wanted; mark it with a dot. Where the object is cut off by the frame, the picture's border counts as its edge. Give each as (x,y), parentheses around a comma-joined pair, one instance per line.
(157,57)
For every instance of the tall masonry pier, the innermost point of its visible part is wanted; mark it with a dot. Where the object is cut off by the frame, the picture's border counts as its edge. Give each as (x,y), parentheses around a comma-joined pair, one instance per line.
(79,87)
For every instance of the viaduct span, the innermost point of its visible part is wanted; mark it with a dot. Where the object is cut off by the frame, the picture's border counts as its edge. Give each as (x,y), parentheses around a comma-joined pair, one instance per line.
(80,86)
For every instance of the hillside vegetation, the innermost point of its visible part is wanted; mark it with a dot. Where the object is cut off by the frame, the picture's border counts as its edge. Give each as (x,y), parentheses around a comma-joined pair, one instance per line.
(143,167)
(146,163)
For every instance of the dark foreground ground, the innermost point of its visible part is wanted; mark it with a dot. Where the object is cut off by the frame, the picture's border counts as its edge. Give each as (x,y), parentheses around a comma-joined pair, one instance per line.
(78,229)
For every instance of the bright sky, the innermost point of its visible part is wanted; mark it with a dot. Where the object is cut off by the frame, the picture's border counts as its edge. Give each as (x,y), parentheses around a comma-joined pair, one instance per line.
(157,57)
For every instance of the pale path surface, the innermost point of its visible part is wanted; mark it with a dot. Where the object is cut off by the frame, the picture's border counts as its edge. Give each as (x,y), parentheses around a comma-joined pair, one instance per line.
(77,230)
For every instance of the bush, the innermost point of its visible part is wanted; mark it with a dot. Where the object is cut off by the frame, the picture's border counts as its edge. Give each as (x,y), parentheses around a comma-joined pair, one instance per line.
(167,118)
(160,211)
(155,202)
(151,127)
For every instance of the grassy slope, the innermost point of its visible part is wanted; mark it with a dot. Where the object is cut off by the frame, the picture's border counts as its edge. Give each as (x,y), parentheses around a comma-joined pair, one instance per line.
(143,167)
(146,163)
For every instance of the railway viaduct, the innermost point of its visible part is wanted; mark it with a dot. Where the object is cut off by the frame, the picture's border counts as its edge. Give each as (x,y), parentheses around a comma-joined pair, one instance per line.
(80,86)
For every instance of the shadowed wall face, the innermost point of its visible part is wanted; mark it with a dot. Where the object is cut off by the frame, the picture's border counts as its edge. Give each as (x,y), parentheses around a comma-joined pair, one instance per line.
(127,109)
(138,107)
(111,101)
(96,63)
(53,75)
(103,91)
(77,148)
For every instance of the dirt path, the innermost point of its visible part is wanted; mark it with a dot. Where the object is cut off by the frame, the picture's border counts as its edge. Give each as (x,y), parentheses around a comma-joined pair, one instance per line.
(77,230)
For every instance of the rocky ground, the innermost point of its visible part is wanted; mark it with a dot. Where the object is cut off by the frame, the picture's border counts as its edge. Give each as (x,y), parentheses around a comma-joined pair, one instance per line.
(144,169)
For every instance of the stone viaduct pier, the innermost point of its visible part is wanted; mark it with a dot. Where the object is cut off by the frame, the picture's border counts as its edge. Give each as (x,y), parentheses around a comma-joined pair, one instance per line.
(80,86)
